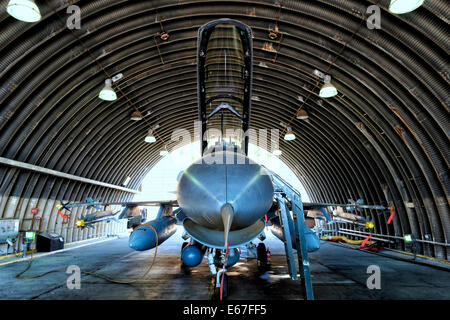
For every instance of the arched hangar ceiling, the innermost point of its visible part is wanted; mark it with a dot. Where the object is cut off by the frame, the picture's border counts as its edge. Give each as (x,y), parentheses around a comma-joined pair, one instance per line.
(384,138)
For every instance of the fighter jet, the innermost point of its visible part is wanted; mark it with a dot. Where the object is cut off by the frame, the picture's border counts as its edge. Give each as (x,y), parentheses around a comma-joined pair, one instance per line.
(225,200)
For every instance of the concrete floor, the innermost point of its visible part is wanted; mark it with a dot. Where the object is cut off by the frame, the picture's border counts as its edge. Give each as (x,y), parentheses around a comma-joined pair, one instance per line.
(337,273)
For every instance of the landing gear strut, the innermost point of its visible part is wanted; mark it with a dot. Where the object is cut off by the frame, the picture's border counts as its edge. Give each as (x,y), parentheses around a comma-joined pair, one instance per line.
(215,286)
(219,280)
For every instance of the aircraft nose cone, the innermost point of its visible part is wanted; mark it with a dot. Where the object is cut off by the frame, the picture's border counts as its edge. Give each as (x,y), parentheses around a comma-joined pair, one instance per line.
(204,189)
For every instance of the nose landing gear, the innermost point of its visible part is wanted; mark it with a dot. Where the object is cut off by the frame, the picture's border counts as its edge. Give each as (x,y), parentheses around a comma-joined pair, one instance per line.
(218,284)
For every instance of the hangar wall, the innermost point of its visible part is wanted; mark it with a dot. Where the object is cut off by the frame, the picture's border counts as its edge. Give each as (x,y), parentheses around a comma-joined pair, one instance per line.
(384,138)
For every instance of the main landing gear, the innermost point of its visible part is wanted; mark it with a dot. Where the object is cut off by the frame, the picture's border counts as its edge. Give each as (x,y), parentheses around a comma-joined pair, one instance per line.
(262,258)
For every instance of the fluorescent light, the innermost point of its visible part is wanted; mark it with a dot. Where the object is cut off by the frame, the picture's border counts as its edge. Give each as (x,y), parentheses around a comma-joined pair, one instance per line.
(277,152)
(150,138)
(107,92)
(289,136)
(404,6)
(24,10)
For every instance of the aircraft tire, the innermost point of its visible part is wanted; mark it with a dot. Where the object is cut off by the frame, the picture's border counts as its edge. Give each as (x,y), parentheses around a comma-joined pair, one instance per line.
(261,252)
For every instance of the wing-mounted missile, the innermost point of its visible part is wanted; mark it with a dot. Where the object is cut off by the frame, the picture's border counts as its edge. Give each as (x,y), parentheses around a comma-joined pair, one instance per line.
(90,203)
(93,203)
(347,212)
(90,219)
(107,215)
(349,206)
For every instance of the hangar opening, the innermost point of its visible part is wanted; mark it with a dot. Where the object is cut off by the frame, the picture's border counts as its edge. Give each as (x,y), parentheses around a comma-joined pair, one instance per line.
(161,181)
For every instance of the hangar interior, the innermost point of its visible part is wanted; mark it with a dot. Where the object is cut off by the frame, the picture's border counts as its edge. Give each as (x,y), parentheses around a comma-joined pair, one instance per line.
(382,137)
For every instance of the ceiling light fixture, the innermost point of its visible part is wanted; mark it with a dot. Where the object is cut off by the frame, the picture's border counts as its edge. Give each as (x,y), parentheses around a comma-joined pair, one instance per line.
(273,33)
(404,6)
(327,90)
(150,138)
(107,93)
(24,10)
(302,114)
(164,36)
(289,136)
(136,116)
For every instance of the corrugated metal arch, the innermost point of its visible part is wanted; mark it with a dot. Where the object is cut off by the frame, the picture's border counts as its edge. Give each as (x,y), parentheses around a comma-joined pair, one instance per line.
(388,128)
